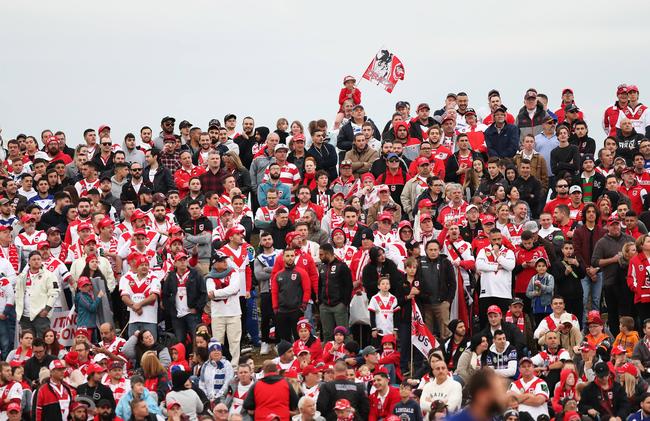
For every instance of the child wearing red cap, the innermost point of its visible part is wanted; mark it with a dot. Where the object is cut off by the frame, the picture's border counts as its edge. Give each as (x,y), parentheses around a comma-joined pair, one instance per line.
(86,302)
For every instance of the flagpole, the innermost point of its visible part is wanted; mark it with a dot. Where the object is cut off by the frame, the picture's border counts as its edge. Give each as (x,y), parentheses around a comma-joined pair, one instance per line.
(411,365)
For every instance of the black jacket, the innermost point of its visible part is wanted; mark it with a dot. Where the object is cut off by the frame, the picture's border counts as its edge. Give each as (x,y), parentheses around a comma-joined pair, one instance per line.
(452,166)
(325,159)
(345,138)
(278,234)
(627,145)
(334,283)
(340,388)
(129,194)
(592,398)
(97,393)
(163,181)
(435,286)
(485,188)
(101,167)
(414,128)
(370,277)
(513,335)
(33,366)
(195,288)
(531,192)
(243,181)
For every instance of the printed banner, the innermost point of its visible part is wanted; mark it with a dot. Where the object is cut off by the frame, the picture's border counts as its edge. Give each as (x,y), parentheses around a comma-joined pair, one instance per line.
(385,70)
(64,323)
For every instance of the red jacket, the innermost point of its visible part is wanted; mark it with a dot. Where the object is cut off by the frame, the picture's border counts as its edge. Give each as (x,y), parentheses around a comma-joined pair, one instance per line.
(611,118)
(636,194)
(182,179)
(294,215)
(638,274)
(522,279)
(561,114)
(315,348)
(379,410)
(343,95)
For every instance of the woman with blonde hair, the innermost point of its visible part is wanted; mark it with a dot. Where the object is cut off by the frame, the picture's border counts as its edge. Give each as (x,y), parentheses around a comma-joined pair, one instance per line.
(234,166)
(155,375)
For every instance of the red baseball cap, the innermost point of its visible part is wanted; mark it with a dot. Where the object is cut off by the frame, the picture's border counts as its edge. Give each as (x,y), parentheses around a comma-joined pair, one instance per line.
(425,216)
(631,88)
(27,217)
(487,219)
(385,216)
(84,226)
(225,210)
(170,404)
(95,368)
(310,369)
(91,238)
(137,214)
(621,89)
(494,309)
(613,220)
(57,365)
(140,260)
(618,350)
(83,281)
(102,127)
(14,407)
(42,244)
(298,137)
(174,229)
(342,404)
(237,229)
(106,222)
(180,255)
(425,203)
(335,195)
(422,161)
(140,232)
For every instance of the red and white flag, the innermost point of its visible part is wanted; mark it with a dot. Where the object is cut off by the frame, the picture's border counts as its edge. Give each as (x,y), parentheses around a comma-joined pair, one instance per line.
(421,336)
(385,70)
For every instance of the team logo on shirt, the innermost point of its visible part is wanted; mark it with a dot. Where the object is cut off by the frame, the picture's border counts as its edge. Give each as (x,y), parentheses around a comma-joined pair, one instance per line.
(293,276)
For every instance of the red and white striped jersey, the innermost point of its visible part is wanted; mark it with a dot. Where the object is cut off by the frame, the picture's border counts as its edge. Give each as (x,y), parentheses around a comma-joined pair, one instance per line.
(83,186)
(289,174)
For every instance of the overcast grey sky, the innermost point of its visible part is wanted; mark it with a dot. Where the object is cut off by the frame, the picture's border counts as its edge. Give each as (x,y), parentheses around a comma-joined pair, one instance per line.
(68,65)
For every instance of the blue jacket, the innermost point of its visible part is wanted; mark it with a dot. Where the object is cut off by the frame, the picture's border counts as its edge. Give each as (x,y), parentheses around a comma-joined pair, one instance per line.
(123,409)
(546,289)
(502,144)
(86,307)
(285,197)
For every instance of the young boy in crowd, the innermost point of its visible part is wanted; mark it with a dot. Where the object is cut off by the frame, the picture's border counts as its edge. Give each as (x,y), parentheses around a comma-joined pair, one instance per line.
(407,408)
(382,306)
(540,290)
(628,337)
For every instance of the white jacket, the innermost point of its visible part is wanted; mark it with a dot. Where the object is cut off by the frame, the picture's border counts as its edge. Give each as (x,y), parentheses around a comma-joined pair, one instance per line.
(226,299)
(45,290)
(496,272)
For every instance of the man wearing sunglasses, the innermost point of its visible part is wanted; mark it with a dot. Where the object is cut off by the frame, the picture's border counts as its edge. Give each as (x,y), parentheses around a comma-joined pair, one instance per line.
(167,126)
(104,159)
(546,141)
(562,198)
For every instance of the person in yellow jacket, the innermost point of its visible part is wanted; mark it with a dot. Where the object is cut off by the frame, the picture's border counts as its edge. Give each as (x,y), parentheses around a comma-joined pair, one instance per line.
(36,292)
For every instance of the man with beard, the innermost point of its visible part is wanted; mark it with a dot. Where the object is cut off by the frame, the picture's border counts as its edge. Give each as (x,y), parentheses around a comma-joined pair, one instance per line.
(119,384)
(200,157)
(323,152)
(11,192)
(167,126)
(28,240)
(420,124)
(274,181)
(54,151)
(58,268)
(361,155)
(10,390)
(90,179)
(83,209)
(93,388)
(613,112)
(603,398)
(245,141)
(131,190)
(627,140)
(346,135)
(78,411)
(580,138)
(104,411)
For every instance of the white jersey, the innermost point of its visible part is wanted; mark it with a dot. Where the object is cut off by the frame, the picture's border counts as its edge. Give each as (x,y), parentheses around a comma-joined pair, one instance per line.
(537,387)
(138,290)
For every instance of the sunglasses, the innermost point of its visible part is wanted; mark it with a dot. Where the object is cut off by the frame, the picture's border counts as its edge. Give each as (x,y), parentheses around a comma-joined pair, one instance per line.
(106,144)
(562,186)
(393,160)
(136,169)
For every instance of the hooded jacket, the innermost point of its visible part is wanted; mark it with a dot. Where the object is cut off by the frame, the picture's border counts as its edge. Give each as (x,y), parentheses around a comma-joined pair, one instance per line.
(505,362)
(123,409)
(335,283)
(560,391)
(271,395)
(181,360)
(226,293)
